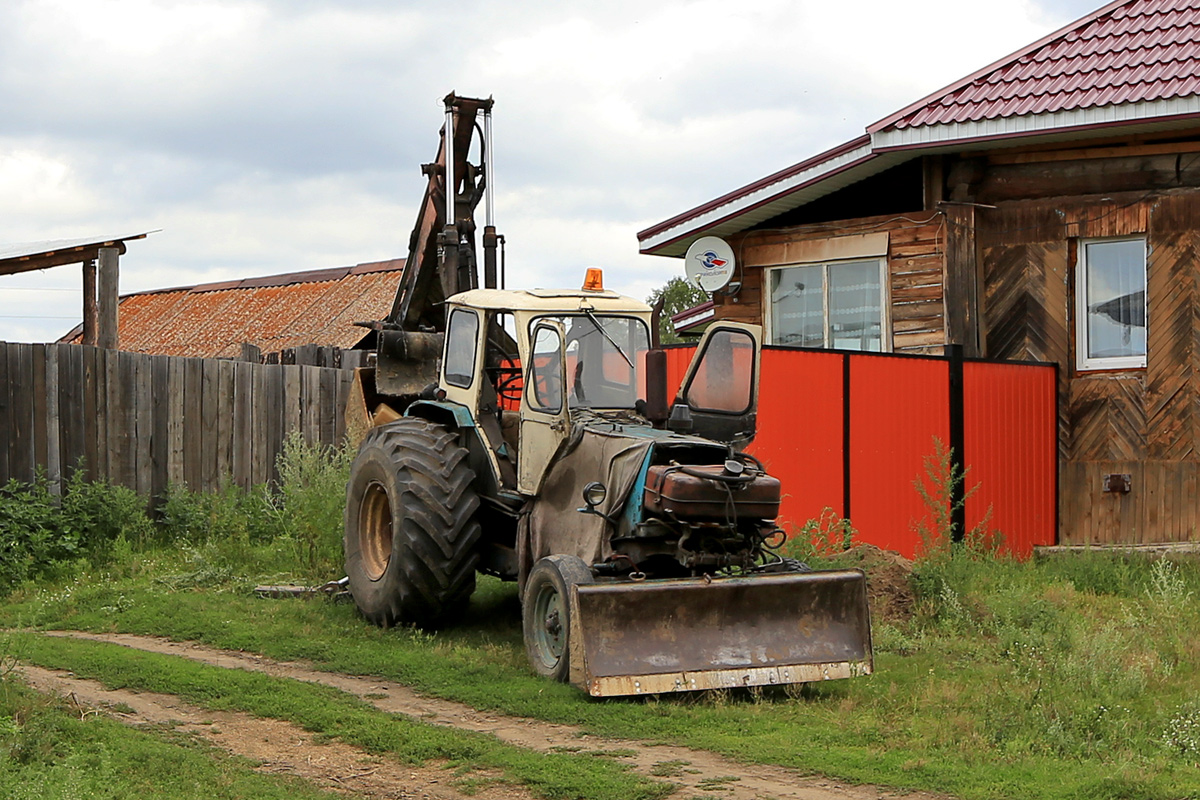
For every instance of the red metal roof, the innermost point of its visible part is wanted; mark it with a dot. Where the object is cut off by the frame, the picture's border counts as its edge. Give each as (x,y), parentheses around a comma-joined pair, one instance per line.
(1126,52)
(276,312)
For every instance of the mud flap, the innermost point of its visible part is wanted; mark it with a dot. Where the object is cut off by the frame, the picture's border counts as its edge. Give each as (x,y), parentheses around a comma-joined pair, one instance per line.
(682,635)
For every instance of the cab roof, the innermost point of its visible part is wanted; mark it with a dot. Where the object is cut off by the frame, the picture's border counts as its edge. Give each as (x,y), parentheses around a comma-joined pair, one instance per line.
(564,300)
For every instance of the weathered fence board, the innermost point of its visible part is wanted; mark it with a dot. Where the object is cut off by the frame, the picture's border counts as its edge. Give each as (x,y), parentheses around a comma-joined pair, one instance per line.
(41,453)
(20,362)
(147,422)
(160,438)
(242,422)
(193,422)
(71,409)
(175,401)
(53,461)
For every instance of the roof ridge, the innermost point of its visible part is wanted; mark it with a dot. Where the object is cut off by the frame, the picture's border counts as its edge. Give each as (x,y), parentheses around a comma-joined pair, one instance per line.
(323,274)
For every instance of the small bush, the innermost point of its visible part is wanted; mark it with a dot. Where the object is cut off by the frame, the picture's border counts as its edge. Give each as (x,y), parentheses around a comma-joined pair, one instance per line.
(33,538)
(99,514)
(228,515)
(937,486)
(309,505)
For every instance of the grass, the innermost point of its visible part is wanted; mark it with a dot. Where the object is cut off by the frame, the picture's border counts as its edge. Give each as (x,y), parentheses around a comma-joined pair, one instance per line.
(48,753)
(1062,678)
(333,713)
(1072,677)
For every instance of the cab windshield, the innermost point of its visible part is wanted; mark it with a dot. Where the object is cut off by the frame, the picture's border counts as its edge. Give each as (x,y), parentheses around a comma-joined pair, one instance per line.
(606,359)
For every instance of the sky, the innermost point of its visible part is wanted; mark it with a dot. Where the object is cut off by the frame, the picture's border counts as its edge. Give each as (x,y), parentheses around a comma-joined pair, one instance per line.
(284,135)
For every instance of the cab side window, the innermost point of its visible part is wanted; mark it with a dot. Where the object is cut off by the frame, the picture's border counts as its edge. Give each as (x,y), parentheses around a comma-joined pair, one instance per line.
(461,338)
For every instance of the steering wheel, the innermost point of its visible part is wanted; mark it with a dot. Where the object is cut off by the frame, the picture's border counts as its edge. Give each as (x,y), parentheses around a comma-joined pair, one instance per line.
(508,383)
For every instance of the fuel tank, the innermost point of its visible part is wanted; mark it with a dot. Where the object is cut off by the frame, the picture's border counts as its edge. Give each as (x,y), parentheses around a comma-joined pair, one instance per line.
(699,492)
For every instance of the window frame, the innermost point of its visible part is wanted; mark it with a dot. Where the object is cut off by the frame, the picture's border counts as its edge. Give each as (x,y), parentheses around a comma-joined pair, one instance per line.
(639,372)
(1084,363)
(699,361)
(885,305)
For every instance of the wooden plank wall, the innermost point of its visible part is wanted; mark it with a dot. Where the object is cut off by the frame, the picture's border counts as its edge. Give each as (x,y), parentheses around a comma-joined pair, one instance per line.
(916,265)
(146,422)
(1142,422)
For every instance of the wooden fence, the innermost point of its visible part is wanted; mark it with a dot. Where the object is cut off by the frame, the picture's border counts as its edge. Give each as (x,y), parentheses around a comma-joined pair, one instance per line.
(146,422)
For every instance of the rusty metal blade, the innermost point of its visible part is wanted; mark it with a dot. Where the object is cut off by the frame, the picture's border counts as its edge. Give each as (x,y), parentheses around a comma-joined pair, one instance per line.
(681,635)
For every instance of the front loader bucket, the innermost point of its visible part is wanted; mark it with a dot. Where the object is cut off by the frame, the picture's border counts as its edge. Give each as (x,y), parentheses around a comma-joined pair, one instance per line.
(682,635)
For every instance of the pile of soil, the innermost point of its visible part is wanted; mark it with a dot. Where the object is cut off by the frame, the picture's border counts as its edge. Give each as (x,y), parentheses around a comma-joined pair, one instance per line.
(889,581)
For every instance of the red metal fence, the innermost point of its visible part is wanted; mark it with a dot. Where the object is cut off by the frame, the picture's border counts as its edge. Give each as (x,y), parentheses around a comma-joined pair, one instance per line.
(853,431)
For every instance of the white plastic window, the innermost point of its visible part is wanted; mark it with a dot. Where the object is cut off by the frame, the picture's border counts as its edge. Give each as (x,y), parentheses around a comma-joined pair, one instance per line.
(1110,304)
(837,304)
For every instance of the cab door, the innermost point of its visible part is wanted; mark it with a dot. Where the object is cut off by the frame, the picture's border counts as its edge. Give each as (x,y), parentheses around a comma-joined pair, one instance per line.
(720,389)
(545,420)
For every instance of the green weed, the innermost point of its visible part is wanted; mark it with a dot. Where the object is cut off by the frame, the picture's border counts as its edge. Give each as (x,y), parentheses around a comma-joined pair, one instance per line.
(310,504)
(820,539)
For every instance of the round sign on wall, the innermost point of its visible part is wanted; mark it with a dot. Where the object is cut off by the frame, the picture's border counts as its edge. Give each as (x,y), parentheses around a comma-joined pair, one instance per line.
(709,263)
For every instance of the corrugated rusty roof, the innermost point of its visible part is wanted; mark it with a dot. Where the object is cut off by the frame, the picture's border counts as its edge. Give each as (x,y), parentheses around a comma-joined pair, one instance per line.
(275,312)
(1126,52)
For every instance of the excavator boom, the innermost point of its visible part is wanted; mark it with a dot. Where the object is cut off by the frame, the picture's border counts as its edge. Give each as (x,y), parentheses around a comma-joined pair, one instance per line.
(441,251)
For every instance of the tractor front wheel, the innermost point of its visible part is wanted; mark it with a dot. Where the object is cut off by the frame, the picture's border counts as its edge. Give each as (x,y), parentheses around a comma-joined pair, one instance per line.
(411,533)
(546,613)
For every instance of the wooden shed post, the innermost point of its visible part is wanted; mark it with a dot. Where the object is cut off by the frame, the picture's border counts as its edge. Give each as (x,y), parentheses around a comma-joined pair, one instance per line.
(107,297)
(962,291)
(89,302)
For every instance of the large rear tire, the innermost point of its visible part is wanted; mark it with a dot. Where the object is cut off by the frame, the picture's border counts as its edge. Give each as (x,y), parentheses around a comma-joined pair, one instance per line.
(546,613)
(411,533)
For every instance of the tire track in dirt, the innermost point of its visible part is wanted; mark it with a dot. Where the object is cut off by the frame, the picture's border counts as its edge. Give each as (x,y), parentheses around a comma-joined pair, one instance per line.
(696,773)
(278,747)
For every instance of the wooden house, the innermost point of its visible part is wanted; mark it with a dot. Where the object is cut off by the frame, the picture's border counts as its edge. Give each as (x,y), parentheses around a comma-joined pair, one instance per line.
(1046,207)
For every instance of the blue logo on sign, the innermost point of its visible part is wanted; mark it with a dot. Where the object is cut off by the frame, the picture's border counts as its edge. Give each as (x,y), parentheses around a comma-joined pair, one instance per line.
(710,260)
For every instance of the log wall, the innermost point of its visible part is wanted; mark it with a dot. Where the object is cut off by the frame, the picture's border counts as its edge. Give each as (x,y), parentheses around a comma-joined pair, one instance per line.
(1136,421)
(916,262)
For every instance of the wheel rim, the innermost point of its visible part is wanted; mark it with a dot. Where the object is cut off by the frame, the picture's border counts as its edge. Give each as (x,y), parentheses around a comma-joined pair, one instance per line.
(375,530)
(549,632)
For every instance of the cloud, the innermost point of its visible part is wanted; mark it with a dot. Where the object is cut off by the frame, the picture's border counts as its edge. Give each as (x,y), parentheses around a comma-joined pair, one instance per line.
(268,136)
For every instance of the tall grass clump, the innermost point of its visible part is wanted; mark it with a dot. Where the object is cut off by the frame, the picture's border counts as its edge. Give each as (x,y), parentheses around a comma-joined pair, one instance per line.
(292,526)
(1097,661)
(309,504)
(821,539)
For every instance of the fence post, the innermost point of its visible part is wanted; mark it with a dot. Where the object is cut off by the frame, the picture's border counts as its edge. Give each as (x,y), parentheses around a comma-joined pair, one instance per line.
(958,462)
(108,294)
(847,473)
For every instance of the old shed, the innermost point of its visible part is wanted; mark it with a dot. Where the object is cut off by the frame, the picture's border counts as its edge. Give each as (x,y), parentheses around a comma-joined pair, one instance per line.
(1045,207)
(271,313)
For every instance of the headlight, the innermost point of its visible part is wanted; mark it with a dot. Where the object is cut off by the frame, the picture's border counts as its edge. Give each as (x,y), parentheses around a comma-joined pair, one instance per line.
(594,494)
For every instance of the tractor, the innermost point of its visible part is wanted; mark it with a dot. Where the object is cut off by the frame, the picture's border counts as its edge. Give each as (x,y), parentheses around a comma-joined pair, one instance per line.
(527,434)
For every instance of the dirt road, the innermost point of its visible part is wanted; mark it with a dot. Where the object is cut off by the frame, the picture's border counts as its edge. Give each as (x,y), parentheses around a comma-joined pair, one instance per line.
(282,747)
